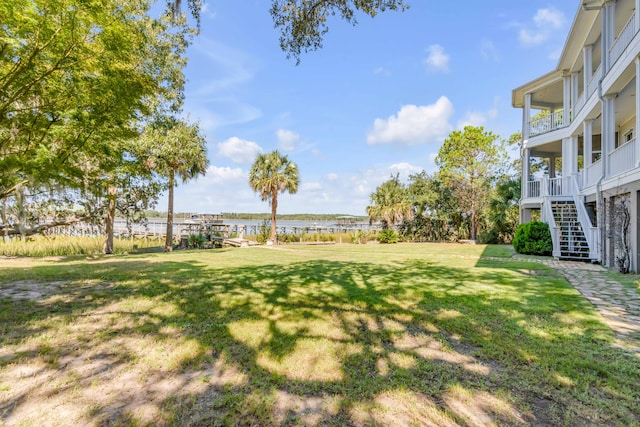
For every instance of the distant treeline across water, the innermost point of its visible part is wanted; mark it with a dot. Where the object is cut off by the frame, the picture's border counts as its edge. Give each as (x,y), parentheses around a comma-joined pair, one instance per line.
(262,216)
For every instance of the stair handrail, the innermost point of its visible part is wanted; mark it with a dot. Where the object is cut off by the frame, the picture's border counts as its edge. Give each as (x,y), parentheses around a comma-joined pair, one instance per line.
(547,216)
(590,232)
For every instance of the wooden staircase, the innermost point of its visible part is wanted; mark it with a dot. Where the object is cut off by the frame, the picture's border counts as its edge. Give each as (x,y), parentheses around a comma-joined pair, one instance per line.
(573,243)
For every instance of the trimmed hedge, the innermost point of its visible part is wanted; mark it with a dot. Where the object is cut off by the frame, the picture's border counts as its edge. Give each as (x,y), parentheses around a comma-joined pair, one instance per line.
(533,238)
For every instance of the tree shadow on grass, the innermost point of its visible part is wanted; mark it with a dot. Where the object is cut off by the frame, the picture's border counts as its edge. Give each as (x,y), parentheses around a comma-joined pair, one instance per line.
(312,342)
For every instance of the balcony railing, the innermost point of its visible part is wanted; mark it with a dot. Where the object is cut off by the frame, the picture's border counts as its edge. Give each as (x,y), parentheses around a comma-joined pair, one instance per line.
(546,123)
(622,41)
(595,78)
(549,187)
(586,94)
(623,158)
(592,174)
(533,188)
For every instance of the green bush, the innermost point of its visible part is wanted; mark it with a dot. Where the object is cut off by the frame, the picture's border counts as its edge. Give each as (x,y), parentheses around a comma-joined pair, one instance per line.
(533,238)
(388,236)
(196,241)
(264,232)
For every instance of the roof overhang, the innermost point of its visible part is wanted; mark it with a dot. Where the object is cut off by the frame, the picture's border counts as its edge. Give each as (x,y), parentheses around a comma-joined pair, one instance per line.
(517,95)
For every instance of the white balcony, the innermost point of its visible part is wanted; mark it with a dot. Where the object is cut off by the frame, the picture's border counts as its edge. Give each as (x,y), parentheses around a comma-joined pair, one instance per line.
(546,123)
(622,41)
(560,186)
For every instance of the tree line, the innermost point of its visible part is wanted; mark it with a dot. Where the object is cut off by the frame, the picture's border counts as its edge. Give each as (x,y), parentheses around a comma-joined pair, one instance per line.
(473,194)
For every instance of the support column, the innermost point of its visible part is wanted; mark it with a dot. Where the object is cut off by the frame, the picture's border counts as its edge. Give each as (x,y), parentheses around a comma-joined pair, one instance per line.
(526,171)
(575,87)
(588,66)
(569,156)
(587,139)
(566,100)
(608,130)
(526,117)
(637,125)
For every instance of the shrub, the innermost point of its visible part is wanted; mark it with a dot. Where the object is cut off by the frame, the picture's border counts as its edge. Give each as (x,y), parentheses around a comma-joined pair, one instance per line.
(196,241)
(264,233)
(533,238)
(388,236)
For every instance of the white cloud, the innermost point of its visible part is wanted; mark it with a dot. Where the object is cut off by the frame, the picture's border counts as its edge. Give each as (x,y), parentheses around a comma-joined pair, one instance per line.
(239,150)
(225,175)
(437,60)
(414,125)
(405,169)
(310,186)
(489,51)
(545,22)
(479,118)
(382,71)
(287,140)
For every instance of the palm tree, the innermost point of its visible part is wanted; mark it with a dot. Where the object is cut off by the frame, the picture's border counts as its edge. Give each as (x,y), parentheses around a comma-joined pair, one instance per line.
(391,203)
(177,150)
(272,173)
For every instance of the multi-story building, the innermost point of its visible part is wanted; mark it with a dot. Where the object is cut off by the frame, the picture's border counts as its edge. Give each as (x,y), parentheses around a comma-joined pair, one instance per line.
(580,122)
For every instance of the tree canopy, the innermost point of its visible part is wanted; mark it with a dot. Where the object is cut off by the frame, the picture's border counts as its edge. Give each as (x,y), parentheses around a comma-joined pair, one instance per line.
(78,80)
(390,203)
(303,23)
(470,159)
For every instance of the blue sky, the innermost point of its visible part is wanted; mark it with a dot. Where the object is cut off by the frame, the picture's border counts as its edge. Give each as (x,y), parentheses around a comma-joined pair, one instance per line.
(378,99)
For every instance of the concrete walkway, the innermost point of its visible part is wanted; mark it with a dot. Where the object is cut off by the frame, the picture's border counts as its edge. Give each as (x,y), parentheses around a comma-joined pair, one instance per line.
(618,305)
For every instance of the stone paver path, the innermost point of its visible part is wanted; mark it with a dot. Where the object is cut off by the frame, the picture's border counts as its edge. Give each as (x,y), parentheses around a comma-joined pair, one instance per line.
(618,305)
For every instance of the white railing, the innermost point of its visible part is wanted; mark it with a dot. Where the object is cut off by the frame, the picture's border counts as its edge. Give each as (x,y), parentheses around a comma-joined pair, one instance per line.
(556,186)
(592,174)
(549,187)
(582,99)
(546,123)
(547,216)
(592,86)
(590,232)
(622,159)
(533,188)
(622,41)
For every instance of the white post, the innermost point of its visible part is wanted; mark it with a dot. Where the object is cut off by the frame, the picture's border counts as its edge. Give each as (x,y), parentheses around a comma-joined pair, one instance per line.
(569,156)
(608,130)
(526,117)
(575,87)
(588,65)
(566,99)
(526,159)
(637,126)
(587,139)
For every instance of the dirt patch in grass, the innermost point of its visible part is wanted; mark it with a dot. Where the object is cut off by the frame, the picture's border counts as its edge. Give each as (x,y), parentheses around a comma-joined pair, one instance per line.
(30,290)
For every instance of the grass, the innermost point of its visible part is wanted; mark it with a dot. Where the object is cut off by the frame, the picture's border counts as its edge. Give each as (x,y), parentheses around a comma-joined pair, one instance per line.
(410,334)
(41,246)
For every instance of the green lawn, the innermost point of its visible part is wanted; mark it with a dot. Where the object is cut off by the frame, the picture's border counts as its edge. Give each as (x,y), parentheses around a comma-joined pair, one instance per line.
(406,334)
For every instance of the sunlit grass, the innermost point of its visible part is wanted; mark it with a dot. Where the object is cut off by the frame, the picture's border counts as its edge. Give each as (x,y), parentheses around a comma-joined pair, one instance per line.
(407,334)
